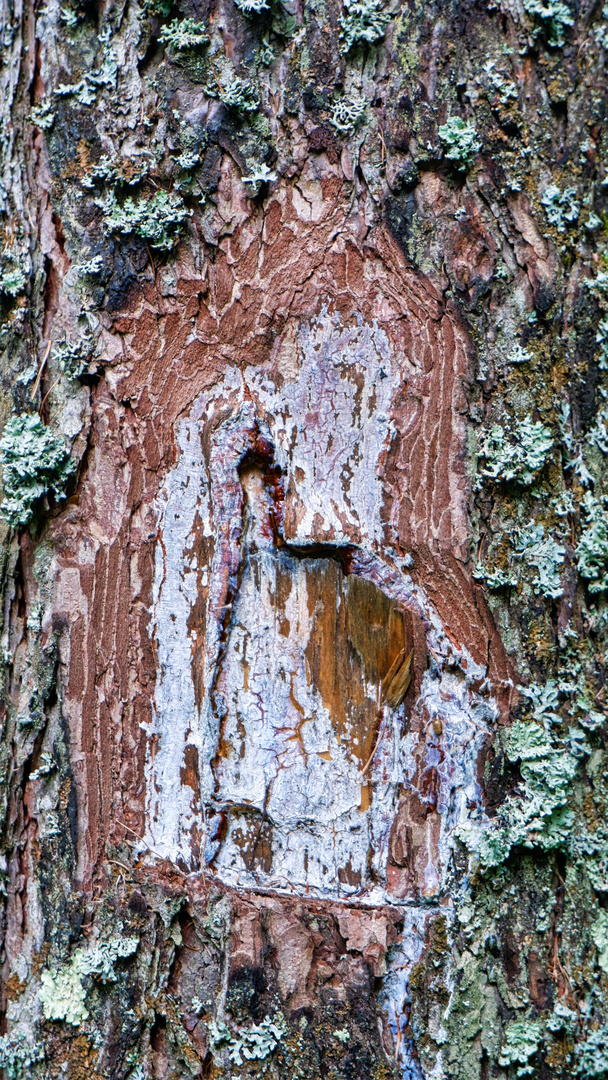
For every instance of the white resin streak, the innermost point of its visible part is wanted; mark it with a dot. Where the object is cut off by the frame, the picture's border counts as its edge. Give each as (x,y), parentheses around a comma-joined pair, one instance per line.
(170,813)
(328,420)
(332,423)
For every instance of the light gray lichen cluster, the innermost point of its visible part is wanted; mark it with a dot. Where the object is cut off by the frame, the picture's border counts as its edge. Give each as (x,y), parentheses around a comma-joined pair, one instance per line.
(35,463)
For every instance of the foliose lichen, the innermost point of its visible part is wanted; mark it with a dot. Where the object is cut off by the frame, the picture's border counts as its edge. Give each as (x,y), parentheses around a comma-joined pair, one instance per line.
(18,1054)
(538,816)
(592,1055)
(599,933)
(522,1038)
(252,7)
(43,115)
(460,140)
(35,463)
(592,547)
(362,21)
(239,94)
(554,17)
(63,993)
(517,453)
(12,281)
(73,357)
(347,113)
(545,555)
(183,34)
(255,1042)
(561,207)
(157,219)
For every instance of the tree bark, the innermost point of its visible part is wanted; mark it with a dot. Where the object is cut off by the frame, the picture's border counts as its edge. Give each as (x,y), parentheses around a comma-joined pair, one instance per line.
(305,541)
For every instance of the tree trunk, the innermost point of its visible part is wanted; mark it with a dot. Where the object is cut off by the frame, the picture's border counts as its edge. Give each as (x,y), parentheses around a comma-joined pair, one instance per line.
(305,545)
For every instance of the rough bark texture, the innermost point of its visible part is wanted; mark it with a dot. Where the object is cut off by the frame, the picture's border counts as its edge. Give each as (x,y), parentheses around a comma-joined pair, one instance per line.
(305,540)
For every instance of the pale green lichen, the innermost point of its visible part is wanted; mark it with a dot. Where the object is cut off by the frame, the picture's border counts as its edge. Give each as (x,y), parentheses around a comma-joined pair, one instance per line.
(188,159)
(12,281)
(69,17)
(599,933)
(545,555)
(601,32)
(190,148)
(254,1043)
(554,16)
(63,994)
(592,1055)
(522,1039)
(342,1034)
(101,957)
(519,454)
(598,434)
(85,91)
(598,286)
(183,34)
(116,170)
(42,114)
(544,700)
(258,1041)
(504,87)
(35,463)
(561,207)
(73,358)
(460,140)
(347,113)
(494,579)
(540,816)
(239,94)
(601,338)
(592,848)
(538,553)
(259,176)
(518,355)
(90,266)
(157,219)
(18,1054)
(252,7)
(362,21)
(516,454)
(592,547)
